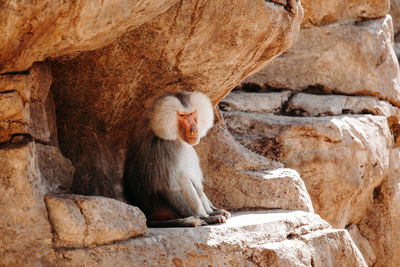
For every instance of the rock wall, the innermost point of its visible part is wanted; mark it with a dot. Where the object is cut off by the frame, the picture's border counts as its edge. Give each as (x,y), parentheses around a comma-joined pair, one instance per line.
(65,122)
(329,108)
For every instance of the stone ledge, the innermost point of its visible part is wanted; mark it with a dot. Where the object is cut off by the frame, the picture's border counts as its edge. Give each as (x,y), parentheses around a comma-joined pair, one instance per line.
(258,238)
(81,221)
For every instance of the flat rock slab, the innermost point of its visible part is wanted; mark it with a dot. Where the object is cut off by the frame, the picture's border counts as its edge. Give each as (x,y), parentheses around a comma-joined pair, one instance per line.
(352,59)
(263,238)
(333,105)
(89,220)
(255,102)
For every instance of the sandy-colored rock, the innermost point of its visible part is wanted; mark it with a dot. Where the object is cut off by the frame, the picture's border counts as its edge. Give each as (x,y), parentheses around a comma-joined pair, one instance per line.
(345,252)
(23,108)
(392,209)
(33,31)
(236,178)
(67,222)
(24,228)
(395,13)
(185,48)
(88,221)
(266,238)
(341,159)
(363,245)
(56,171)
(307,105)
(333,105)
(351,59)
(317,12)
(32,85)
(11,106)
(255,102)
(381,224)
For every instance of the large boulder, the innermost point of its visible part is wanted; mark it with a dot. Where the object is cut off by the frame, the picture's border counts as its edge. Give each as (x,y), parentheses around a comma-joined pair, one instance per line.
(352,59)
(33,31)
(241,179)
(347,159)
(334,151)
(395,13)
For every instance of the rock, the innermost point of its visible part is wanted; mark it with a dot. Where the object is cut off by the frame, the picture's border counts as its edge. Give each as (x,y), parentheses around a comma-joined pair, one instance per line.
(53,172)
(381,224)
(11,106)
(255,102)
(396,48)
(24,228)
(236,178)
(341,159)
(32,85)
(57,171)
(34,31)
(265,238)
(322,105)
(333,105)
(88,221)
(395,13)
(351,59)
(345,252)
(173,52)
(323,12)
(391,212)
(363,245)
(23,108)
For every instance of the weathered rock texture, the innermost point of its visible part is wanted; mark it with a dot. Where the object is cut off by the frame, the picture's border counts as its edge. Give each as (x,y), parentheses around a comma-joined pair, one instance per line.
(395,13)
(33,31)
(336,119)
(185,48)
(317,12)
(274,238)
(24,227)
(351,59)
(25,106)
(350,153)
(80,221)
(349,162)
(244,180)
